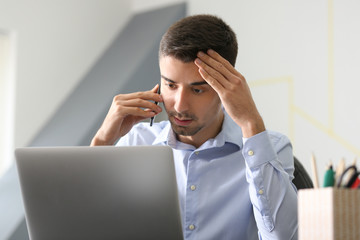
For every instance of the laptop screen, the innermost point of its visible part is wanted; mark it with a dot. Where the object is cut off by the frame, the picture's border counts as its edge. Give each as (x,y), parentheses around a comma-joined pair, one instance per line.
(99,192)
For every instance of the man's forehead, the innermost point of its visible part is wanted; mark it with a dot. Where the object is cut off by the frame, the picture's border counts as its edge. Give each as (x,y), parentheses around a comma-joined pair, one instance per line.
(194,83)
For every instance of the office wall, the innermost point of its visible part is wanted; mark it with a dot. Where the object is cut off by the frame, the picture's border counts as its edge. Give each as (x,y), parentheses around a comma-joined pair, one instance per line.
(301,60)
(299,57)
(7,98)
(82,112)
(57,43)
(139,6)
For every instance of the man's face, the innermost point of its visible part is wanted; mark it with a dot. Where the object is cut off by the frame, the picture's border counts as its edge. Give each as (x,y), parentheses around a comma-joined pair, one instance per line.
(193,107)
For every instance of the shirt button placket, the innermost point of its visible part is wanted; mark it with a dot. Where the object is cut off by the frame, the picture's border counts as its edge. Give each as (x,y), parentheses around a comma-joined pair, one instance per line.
(191,195)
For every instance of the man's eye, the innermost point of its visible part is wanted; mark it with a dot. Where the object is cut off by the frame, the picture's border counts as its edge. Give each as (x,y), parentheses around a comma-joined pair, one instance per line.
(197,90)
(170,85)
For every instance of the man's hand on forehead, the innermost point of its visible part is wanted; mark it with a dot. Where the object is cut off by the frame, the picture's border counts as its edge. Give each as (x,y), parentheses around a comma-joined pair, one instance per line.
(232,89)
(218,71)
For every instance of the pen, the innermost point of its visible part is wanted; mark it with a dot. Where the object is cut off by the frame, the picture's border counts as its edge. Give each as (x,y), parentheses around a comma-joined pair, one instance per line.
(152,118)
(356,183)
(352,183)
(329,178)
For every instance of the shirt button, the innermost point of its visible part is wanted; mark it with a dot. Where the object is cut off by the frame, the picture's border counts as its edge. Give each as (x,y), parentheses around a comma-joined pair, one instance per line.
(192,227)
(250,152)
(192,187)
(261,192)
(197,153)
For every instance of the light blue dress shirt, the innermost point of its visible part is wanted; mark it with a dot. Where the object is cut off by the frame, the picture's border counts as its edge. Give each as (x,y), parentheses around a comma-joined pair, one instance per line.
(230,187)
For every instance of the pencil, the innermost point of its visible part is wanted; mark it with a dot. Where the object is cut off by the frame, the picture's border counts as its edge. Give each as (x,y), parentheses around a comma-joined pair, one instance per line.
(339,170)
(314,170)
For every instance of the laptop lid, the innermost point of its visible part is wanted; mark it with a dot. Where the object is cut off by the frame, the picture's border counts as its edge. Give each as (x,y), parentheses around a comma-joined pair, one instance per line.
(99,192)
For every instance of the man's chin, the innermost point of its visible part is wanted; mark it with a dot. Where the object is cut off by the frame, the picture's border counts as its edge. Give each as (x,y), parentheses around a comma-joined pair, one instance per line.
(185,130)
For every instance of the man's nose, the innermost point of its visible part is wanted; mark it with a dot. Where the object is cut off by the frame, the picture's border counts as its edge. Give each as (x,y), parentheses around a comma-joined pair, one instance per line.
(181,101)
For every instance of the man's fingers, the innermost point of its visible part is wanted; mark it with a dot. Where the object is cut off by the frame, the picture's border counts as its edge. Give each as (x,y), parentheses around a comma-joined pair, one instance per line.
(139,112)
(214,66)
(133,113)
(155,89)
(150,95)
(212,76)
(222,60)
(214,83)
(140,104)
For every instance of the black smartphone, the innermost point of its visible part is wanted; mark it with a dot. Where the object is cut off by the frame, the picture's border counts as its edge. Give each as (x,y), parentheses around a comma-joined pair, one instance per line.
(152,118)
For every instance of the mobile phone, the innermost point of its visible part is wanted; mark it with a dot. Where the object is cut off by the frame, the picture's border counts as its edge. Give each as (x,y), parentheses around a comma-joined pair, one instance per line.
(152,118)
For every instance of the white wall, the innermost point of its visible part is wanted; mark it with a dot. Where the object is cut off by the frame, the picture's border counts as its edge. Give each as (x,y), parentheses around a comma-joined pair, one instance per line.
(57,42)
(7,98)
(301,59)
(139,6)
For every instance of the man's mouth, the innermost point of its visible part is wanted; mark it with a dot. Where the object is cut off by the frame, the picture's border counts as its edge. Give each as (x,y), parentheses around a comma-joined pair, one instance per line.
(182,122)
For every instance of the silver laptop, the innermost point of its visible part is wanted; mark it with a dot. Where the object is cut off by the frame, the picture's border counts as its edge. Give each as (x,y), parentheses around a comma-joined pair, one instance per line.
(99,192)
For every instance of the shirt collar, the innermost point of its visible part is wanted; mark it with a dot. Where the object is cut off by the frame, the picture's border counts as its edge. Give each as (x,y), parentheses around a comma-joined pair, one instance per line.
(230,133)
(163,137)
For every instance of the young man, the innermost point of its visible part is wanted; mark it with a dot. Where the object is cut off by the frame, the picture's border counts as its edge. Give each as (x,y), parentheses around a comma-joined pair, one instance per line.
(234,176)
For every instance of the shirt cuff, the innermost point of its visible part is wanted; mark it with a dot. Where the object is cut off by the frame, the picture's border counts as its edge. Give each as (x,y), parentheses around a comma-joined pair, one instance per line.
(258,150)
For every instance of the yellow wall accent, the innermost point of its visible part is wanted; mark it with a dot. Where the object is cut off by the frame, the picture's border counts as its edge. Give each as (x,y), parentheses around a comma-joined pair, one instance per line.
(331,63)
(326,129)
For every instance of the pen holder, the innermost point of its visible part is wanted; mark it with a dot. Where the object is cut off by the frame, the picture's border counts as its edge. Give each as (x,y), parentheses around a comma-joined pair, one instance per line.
(329,213)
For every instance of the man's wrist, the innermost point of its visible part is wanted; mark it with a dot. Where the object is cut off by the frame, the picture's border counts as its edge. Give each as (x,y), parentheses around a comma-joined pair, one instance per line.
(253,127)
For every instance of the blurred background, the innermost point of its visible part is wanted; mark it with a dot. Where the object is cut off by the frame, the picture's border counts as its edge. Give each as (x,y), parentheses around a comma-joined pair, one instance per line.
(61,63)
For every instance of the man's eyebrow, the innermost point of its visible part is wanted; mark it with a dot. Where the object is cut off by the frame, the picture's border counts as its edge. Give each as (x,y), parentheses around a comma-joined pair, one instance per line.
(198,83)
(193,83)
(167,79)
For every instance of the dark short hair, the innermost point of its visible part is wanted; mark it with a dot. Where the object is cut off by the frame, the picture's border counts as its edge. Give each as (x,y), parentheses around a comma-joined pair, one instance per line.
(185,38)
